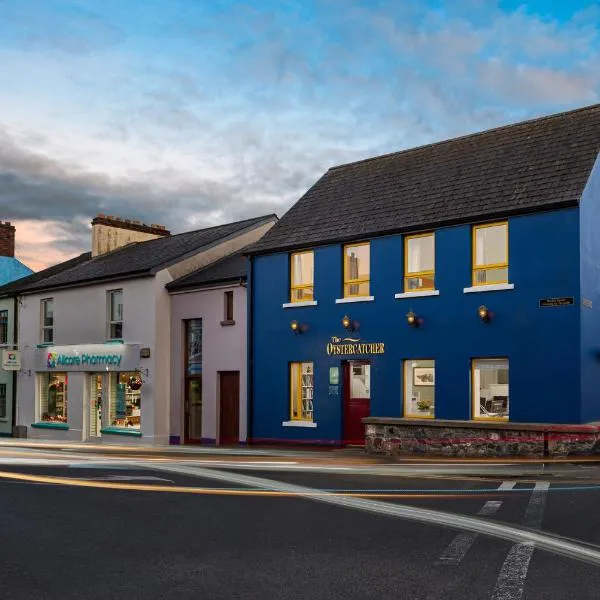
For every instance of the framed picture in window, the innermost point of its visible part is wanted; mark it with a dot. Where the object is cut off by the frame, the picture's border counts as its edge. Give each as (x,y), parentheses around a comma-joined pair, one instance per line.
(423,376)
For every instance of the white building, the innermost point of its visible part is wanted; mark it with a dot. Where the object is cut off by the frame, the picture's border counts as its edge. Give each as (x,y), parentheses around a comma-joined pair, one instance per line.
(96,338)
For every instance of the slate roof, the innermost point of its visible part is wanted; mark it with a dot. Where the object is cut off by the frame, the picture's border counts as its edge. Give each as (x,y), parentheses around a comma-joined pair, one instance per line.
(21,284)
(526,167)
(145,258)
(231,268)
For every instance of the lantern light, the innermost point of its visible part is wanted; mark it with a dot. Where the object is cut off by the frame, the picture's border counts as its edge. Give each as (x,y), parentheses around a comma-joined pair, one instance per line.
(484,313)
(412,319)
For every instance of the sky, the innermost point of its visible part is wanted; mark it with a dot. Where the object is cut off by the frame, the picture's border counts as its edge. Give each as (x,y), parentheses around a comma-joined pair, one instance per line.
(192,113)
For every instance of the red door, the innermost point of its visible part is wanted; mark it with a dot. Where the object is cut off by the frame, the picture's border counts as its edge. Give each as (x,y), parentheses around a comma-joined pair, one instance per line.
(357,400)
(229,401)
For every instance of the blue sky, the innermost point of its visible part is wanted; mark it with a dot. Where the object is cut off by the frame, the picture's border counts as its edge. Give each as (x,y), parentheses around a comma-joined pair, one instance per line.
(192,113)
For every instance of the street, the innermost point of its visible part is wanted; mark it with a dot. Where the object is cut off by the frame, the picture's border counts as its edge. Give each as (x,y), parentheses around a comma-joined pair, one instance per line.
(100,525)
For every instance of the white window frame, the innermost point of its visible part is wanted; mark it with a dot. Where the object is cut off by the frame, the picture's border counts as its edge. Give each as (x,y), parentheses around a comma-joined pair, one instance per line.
(43,327)
(109,316)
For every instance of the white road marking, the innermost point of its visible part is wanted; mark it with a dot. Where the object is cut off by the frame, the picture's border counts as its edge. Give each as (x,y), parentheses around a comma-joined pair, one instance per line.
(544,541)
(511,580)
(461,544)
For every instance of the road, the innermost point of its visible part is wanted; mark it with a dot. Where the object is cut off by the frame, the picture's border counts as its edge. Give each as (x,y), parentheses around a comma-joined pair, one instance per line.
(123,525)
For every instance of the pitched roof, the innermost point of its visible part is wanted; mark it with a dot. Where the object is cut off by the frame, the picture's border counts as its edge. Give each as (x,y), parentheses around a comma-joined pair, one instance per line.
(19,285)
(229,269)
(531,166)
(146,258)
(12,269)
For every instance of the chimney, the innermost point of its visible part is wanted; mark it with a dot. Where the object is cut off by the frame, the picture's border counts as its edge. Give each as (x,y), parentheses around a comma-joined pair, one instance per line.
(7,239)
(110,232)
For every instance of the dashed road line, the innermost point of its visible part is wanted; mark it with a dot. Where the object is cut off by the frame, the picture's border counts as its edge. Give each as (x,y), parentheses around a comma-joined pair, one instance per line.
(461,544)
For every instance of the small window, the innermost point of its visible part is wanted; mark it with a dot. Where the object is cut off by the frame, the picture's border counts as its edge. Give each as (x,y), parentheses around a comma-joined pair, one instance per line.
(419,388)
(47,317)
(3,327)
(53,397)
(419,262)
(125,400)
(2,401)
(490,388)
(490,254)
(302,276)
(228,296)
(115,314)
(301,391)
(357,270)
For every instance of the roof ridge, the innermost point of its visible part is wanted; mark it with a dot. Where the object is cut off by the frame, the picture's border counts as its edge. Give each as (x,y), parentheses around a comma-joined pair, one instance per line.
(467,135)
(212,264)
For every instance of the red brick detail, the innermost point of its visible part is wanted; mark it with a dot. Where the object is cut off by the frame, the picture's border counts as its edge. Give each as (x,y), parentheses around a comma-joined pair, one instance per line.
(7,239)
(130,225)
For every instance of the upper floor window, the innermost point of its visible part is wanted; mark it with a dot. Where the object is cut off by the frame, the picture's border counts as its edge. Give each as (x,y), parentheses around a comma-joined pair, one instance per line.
(490,254)
(47,318)
(419,262)
(357,269)
(3,327)
(115,314)
(228,308)
(302,280)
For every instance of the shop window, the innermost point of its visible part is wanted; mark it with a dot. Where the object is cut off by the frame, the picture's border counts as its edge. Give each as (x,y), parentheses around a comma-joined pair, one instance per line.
(419,388)
(115,314)
(490,254)
(490,388)
(302,280)
(301,391)
(47,318)
(2,401)
(357,270)
(125,400)
(53,397)
(419,262)
(3,327)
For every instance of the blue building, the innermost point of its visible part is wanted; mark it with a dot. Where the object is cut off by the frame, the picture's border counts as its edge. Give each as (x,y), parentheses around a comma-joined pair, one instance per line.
(11,269)
(444,298)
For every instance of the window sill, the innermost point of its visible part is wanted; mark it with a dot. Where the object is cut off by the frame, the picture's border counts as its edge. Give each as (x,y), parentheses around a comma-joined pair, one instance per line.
(309,424)
(121,431)
(492,287)
(299,304)
(227,323)
(505,419)
(417,294)
(115,341)
(355,299)
(419,416)
(49,425)
(45,345)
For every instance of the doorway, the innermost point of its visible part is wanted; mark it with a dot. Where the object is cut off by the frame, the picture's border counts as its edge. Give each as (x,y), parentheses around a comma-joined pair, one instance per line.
(229,412)
(95,406)
(357,400)
(193,410)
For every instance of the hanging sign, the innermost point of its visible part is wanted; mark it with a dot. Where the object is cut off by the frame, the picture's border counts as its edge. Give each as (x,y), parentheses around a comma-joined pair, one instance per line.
(353,346)
(11,360)
(565,301)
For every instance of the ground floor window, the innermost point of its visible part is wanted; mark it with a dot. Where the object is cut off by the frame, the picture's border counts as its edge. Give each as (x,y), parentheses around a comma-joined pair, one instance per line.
(125,400)
(490,388)
(2,401)
(53,397)
(419,388)
(301,391)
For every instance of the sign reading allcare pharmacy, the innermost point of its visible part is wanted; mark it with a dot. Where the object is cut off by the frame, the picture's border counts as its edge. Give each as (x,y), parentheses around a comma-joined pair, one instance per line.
(88,357)
(11,360)
(353,346)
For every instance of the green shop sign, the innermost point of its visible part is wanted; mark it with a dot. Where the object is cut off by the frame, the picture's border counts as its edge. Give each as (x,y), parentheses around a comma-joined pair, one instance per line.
(89,357)
(61,360)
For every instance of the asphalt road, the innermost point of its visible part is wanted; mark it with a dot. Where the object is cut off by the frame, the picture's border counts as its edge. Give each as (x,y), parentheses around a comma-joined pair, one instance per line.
(62,542)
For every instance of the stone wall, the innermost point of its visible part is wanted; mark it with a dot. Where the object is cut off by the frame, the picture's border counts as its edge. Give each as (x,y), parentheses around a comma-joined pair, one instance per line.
(404,437)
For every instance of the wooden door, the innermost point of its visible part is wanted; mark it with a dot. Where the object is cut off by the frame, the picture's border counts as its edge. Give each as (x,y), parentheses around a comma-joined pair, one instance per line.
(193,410)
(229,401)
(357,400)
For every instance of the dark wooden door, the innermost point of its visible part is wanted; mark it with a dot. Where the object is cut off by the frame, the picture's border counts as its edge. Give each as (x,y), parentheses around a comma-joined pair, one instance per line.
(229,422)
(193,410)
(357,400)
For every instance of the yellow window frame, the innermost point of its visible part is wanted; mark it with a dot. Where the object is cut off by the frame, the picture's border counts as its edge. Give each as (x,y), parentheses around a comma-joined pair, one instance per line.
(409,415)
(304,286)
(298,386)
(474,392)
(359,280)
(488,267)
(414,275)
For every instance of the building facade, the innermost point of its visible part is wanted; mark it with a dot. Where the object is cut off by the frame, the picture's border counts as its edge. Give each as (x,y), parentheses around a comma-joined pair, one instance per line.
(445,292)
(95,339)
(208,354)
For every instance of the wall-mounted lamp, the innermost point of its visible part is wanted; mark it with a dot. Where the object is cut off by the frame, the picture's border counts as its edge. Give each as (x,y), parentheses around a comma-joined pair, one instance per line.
(412,319)
(484,313)
(295,327)
(349,324)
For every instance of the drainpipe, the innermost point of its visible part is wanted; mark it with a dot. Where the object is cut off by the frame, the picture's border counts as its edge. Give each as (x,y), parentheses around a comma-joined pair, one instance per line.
(14,373)
(249,352)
